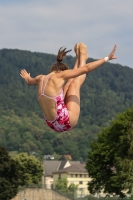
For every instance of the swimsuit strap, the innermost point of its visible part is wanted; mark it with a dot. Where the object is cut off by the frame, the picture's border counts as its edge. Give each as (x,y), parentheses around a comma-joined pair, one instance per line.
(43,88)
(42,84)
(45,83)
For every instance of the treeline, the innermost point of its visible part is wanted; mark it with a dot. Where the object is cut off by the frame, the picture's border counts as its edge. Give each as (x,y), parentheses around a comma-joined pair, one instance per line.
(17,172)
(110,161)
(106,92)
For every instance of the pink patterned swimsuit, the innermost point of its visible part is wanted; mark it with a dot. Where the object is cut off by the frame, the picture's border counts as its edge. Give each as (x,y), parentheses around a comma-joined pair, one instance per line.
(61,122)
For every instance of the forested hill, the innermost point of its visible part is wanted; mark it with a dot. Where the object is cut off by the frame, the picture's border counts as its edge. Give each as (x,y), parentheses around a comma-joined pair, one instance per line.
(106,92)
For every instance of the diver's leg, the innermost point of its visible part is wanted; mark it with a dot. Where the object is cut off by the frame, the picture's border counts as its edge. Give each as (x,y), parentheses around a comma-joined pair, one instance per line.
(76,65)
(73,93)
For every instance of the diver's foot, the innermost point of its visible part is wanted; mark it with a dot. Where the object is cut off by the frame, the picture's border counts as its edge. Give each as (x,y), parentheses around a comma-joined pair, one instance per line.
(83,51)
(76,49)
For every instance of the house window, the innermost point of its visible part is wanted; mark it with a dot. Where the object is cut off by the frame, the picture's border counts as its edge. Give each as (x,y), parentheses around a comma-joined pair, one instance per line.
(80,175)
(71,175)
(85,175)
(80,182)
(80,189)
(76,175)
(59,176)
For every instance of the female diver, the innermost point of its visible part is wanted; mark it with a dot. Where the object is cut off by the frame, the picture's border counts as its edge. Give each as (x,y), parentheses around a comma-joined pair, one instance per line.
(59,91)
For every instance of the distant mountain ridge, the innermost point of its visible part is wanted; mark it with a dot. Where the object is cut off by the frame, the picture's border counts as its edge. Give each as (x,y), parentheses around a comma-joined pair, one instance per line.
(106,92)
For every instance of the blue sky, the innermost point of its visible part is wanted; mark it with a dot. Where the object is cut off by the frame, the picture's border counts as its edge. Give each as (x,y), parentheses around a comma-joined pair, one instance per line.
(46,25)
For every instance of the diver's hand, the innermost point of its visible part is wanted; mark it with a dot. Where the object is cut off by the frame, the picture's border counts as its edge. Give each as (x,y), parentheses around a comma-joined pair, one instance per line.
(24,74)
(111,56)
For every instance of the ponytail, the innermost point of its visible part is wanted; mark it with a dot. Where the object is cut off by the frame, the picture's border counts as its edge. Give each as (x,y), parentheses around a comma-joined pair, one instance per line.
(59,66)
(62,54)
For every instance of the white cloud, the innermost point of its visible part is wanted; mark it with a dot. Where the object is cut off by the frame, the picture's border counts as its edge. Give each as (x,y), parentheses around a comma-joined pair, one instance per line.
(44,26)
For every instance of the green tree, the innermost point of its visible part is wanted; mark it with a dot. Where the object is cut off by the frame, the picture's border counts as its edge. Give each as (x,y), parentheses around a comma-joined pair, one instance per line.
(72,187)
(62,185)
(110,159)
(9,175)
(31,169)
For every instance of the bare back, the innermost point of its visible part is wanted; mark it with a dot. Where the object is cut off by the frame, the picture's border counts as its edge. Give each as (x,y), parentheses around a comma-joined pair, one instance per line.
(48,88)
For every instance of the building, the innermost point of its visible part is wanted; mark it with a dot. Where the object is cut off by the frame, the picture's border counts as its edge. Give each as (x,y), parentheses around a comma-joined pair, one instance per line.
(75,174)
(49,157)
(51,166)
